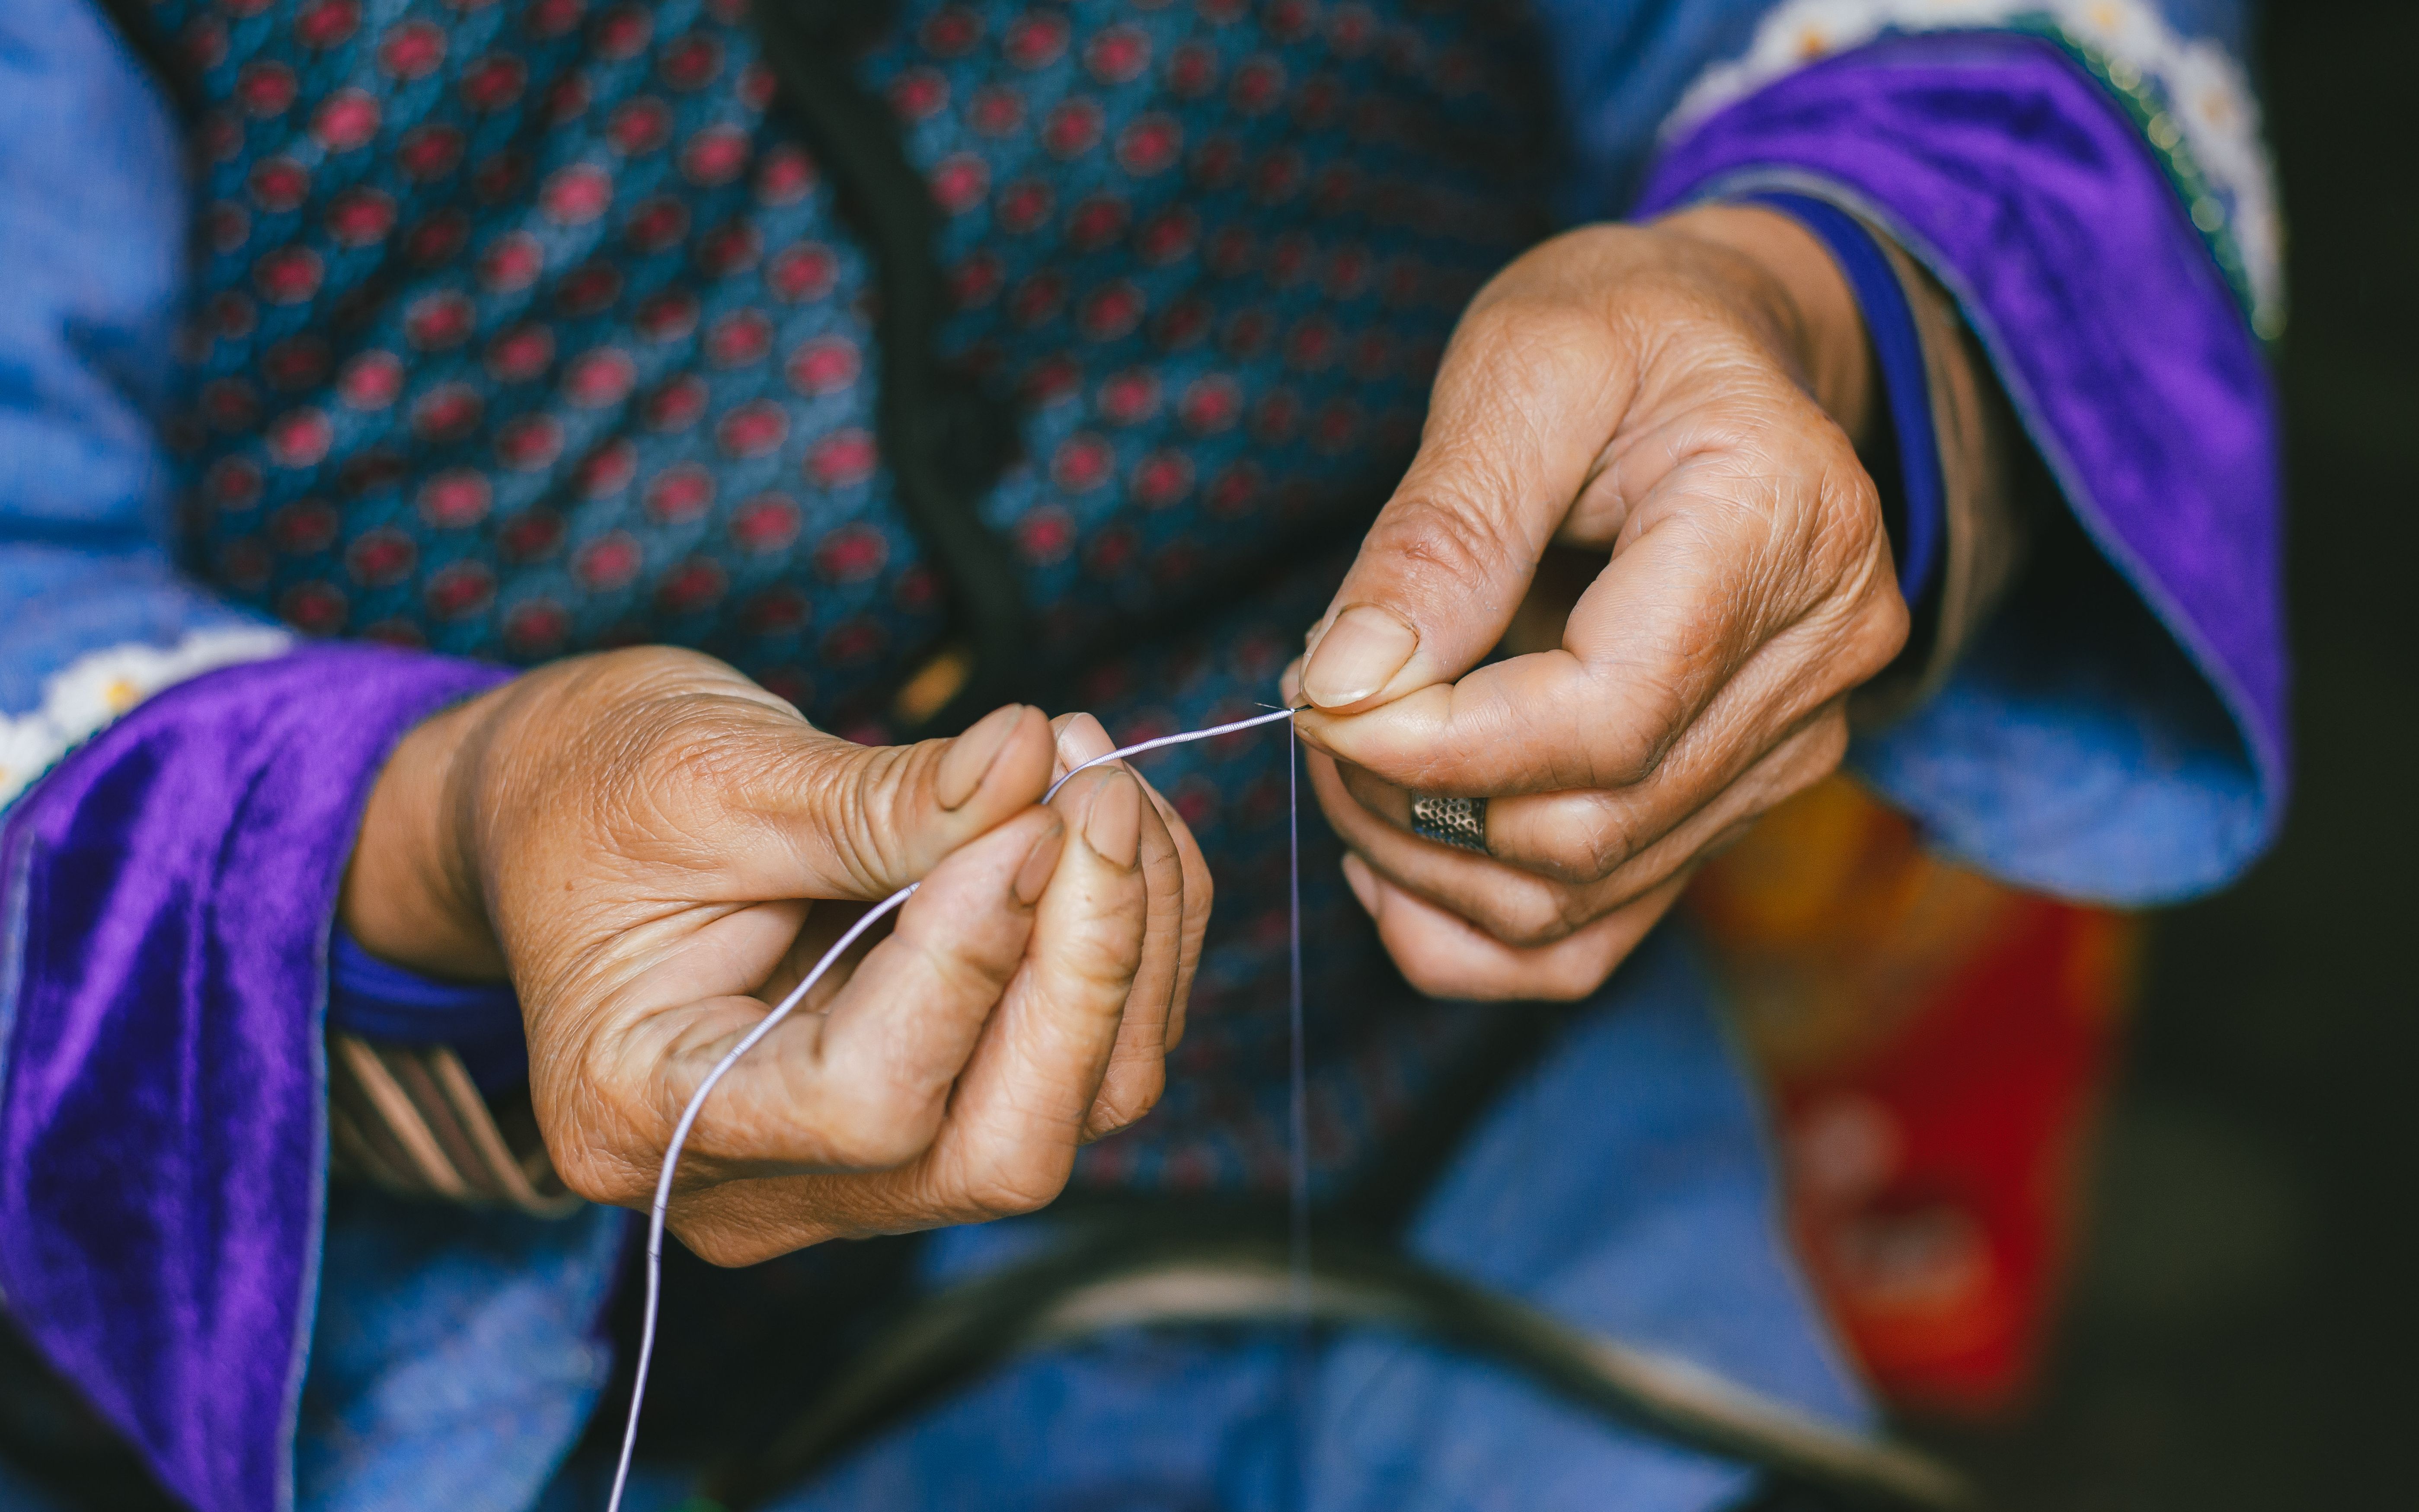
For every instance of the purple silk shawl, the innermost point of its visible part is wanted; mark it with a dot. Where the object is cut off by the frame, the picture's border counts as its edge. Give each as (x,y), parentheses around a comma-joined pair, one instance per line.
(162,1145)
(161,1150)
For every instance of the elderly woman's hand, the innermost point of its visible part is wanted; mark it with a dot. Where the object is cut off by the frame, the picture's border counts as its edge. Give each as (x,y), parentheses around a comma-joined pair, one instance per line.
(1679,400)
(656,849)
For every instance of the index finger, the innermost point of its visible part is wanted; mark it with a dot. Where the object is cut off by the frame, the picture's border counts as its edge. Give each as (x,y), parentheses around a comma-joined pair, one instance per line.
(1643,646)
(1528,394)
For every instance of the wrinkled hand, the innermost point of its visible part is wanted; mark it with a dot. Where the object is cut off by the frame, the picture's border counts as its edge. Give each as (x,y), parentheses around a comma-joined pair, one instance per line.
(1677,400)
(656,850)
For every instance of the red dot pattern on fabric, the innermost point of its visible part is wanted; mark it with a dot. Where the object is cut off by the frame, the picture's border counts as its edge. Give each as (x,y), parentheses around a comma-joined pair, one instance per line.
(523,328)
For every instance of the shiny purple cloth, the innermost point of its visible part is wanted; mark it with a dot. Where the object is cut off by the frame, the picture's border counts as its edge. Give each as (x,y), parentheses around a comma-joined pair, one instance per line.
(2024,187)
(162,1148)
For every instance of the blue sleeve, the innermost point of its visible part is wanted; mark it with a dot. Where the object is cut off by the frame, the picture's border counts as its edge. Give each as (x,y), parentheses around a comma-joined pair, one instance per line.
(94,223)
(1620,68)
(1914,490)
(93,226)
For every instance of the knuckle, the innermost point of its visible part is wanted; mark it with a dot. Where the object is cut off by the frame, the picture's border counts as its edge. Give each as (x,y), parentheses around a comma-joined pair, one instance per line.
(1437,539)
(872,808)
(1649,709)
(1854,500)
(1529,917)
(1427,980)
(1163,883)
(1568,972)
(1569,982)
(592,1176)
(1428,971)
(1200,894)
(601,1136)
(1131,1102)
(1595,840)
(1826,748)
(878,1134)
(731,1238)
(722,1245)
(1881,631)
(965,965)
(1027,1186)
(1105,956)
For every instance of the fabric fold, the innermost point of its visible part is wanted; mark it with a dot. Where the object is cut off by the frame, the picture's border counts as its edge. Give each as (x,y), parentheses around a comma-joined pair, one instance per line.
(162,1148)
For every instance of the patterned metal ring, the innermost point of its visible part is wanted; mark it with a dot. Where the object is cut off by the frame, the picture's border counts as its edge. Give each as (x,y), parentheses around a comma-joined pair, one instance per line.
(1458,822)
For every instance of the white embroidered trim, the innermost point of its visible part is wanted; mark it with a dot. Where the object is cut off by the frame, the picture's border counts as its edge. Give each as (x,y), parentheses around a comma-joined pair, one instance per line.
(85,696)
(2198,99)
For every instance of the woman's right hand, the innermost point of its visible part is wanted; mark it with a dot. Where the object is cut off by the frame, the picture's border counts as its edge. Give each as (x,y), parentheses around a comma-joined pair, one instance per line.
(654,849)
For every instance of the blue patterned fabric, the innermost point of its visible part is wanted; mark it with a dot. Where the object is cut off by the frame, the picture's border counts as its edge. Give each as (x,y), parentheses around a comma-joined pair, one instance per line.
(519,328)
(524,330)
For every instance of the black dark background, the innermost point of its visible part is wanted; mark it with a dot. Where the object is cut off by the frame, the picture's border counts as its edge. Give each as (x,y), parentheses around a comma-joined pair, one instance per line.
(2246,1330)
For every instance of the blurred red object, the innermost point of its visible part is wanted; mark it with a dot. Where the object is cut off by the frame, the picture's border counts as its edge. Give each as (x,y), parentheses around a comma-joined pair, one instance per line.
(1937,1047)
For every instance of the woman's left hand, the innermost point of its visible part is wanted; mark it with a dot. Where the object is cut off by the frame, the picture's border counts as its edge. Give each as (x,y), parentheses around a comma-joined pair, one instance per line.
(1679,400)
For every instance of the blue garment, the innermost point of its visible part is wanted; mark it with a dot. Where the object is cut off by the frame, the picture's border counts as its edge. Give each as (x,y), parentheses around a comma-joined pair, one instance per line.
(1622,1182)
(379,1000)
(92,235)
(97,257)
(2116,730)
(454,1354)
(91,223)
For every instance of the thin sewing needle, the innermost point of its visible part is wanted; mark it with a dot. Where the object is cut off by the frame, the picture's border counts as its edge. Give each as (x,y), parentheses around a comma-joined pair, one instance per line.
(797,994)
(1299,1110)
(1298,1120)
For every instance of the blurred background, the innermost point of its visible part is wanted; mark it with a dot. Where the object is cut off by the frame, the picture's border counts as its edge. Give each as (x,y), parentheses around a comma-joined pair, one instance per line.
(2245,1324)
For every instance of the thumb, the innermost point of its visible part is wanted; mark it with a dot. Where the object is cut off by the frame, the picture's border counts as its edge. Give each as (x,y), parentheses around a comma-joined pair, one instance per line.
(865,821)
(1521,414)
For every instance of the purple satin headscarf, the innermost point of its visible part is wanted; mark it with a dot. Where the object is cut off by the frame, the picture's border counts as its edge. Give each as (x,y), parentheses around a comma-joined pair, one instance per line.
(161,1142)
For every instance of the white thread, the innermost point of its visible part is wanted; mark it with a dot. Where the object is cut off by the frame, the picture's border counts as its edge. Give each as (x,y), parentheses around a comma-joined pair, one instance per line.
(748,1041)
(1139,748)
(672,1161)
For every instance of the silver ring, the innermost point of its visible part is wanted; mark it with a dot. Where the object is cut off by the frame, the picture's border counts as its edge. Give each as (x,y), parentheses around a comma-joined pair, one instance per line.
(1458,822)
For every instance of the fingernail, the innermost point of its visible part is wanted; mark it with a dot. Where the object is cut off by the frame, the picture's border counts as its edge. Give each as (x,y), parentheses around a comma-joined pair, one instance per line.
(1039,862)
(1359,655)
(1114,827)
(1364,885)
(969,757)
(1082,739)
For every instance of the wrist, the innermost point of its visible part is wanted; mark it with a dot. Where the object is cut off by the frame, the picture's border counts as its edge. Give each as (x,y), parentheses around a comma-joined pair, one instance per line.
(1808,302)
(410,894)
